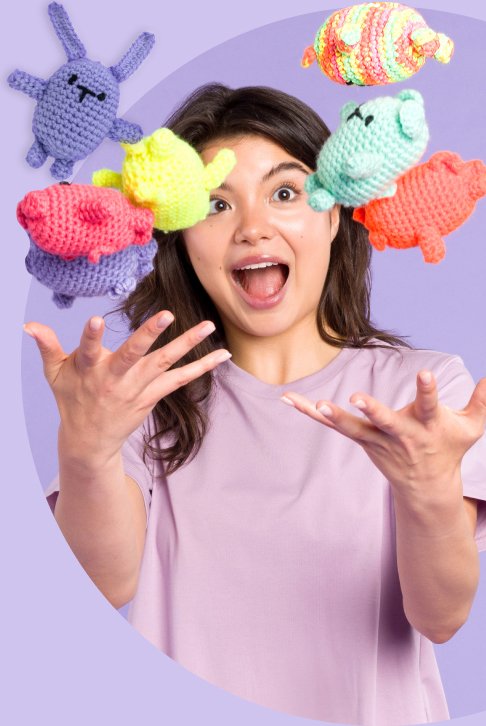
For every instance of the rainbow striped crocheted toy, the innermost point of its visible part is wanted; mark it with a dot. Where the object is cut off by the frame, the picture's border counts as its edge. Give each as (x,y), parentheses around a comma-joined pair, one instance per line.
(166,174)
(374,44)
(432,200)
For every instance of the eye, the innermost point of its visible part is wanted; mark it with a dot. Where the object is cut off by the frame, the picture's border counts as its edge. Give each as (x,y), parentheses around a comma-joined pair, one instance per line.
(72,79)
(217,205)
(285,193)
(101,96)
(368,120)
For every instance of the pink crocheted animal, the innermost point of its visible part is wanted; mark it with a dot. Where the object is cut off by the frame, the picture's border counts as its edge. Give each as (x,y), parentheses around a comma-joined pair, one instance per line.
(432,199)
(78,220)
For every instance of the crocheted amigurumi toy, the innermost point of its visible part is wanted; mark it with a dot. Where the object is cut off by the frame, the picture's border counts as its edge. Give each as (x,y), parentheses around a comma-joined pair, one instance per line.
(166,174)
(76,107)
(79,220)
(114,275)
(375,44)
(376,142)
(432,199)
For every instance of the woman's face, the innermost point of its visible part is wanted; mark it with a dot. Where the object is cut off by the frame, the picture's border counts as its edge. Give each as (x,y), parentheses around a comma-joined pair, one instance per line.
(260,215)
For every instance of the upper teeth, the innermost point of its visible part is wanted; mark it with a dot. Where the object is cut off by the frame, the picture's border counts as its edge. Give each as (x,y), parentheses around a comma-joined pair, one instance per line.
(258,265)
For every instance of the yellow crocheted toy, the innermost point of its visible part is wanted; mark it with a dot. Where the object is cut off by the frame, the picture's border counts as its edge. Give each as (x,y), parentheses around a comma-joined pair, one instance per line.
(166,174)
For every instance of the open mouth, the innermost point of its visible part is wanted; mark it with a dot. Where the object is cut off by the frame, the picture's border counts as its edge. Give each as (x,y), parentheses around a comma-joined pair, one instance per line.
(263,280)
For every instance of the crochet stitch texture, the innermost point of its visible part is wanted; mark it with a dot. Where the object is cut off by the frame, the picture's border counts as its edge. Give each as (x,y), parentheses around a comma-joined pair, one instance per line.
(166,174)
(76,107)
(376,142)
(114,275)
(79,220)
(375,44)
(432,199)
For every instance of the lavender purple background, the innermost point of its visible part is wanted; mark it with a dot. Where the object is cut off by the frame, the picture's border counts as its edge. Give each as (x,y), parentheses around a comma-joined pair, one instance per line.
(69,657)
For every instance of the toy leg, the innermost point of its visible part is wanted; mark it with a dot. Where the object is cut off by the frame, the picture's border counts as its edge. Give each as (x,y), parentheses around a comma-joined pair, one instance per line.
(432,245)
(122,288)
(61,169)
(378,240)
(36,155)
(63,301)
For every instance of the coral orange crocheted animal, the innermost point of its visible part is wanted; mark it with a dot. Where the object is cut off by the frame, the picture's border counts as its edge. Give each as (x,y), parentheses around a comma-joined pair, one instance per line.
(79,220)
(432,200)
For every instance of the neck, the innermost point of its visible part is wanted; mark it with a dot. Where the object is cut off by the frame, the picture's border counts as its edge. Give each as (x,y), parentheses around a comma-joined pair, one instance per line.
(280,359)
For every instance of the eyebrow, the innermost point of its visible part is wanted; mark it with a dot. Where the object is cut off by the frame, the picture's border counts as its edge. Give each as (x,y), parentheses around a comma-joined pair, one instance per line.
(283,166)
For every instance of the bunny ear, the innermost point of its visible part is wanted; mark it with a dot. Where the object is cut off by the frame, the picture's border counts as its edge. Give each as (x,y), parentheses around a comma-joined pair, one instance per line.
(73,47)
(134,56)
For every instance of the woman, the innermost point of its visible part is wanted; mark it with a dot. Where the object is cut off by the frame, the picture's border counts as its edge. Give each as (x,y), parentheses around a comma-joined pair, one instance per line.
(305,562)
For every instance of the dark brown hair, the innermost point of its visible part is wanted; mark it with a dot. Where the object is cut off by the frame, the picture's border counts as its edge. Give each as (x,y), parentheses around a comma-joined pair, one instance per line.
(215,112)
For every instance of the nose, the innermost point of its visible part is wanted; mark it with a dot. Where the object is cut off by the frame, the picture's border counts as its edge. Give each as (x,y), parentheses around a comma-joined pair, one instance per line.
(254,224)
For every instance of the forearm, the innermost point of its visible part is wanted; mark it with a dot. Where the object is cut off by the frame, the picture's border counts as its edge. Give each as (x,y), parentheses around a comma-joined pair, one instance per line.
(95,512)
(438,561)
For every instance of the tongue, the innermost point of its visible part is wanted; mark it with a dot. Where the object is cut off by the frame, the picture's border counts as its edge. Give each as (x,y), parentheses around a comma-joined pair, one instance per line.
(264,282)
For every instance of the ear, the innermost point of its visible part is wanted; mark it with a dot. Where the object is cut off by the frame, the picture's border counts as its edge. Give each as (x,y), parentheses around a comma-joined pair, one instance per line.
(335,215)
(134,56)
(73,47)
(96,211)
(412,113)
(347,110)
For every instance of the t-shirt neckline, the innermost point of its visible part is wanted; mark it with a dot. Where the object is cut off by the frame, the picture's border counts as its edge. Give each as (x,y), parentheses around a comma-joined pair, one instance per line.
(240,378)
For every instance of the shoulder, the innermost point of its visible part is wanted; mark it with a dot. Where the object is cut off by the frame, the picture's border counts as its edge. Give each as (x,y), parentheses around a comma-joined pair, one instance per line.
(390,372)
(401,360)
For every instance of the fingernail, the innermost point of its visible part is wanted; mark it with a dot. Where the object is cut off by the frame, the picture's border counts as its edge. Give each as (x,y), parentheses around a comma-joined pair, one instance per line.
(288,401)
(164,320)
(360,404)
(325,410)
(425,377)
(222,356)
(206,330)
(28,331)
(95,324)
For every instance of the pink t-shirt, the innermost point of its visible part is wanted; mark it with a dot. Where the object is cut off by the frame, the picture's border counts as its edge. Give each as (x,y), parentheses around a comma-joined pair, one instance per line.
(270,563)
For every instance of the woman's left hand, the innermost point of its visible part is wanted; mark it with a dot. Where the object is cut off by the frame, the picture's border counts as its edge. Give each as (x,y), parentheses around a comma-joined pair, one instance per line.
(418,448)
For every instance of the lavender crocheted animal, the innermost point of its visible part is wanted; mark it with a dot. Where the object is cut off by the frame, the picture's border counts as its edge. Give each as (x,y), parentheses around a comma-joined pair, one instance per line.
(376,142)
(114,275)
(76,107)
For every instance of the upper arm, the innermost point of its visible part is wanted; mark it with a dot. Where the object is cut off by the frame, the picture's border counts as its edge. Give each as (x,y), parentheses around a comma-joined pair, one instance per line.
(139,513)
(471,507)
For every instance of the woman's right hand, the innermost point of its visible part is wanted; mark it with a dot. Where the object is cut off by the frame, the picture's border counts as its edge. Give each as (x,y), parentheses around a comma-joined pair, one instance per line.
(103,396)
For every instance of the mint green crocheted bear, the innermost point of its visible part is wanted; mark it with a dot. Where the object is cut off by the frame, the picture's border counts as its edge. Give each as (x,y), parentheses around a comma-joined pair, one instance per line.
(376,143)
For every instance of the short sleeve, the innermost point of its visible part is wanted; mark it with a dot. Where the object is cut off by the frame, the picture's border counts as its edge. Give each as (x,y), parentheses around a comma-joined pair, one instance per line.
(455,386)
(133,465)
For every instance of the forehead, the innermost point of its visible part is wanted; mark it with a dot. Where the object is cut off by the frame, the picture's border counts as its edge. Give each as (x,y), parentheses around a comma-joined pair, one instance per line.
(248,148)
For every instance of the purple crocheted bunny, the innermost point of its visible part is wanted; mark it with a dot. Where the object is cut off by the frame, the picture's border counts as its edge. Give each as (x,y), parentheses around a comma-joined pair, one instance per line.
(76,107)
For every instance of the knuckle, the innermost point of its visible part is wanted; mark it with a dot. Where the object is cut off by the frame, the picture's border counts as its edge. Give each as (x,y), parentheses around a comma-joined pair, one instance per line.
(183,377)
(128,356)
(164,361)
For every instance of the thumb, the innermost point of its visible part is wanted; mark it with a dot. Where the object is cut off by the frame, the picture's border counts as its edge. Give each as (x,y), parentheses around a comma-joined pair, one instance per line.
(477,403)
(52,354)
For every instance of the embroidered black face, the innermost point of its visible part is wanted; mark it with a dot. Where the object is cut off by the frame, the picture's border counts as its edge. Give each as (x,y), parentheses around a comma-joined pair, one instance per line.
(85,91)
(358,113)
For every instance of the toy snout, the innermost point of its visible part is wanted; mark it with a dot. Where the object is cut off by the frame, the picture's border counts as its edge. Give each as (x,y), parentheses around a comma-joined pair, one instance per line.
(34,206)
